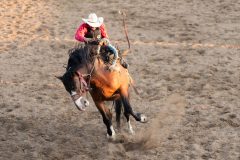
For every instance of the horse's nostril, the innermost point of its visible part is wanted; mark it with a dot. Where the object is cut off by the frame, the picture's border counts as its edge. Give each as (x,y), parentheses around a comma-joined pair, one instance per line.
(86,103)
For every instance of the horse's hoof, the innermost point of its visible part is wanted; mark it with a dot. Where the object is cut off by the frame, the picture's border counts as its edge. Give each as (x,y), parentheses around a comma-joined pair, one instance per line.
(143,118)
(112,137)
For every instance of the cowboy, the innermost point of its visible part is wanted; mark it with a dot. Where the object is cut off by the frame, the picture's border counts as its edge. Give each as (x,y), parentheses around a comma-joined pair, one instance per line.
(93,30)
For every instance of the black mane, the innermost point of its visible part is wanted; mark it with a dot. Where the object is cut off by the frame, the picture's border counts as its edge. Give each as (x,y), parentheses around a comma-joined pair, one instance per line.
(78,57)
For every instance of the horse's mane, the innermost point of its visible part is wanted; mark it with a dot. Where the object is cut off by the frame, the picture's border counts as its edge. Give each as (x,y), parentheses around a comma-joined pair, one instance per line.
(78,57)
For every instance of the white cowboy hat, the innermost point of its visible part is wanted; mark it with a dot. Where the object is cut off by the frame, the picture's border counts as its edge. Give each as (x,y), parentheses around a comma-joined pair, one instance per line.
(93,20)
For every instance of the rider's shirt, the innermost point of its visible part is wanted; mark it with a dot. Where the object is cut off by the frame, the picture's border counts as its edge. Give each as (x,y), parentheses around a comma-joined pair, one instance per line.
(85,31)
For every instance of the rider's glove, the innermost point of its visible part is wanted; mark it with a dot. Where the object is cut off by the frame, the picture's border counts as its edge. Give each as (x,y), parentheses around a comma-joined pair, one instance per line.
(88,40)
(105,41)
(91,41)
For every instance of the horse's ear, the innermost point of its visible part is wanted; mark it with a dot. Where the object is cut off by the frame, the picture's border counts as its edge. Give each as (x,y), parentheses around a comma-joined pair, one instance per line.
(59,77)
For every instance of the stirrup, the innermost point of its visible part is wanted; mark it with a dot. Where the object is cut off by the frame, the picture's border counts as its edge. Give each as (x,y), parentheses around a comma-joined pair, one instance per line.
(124,64)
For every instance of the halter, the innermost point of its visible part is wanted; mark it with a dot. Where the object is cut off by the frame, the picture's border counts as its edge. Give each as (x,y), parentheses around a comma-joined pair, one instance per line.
(85,86)
(84,79)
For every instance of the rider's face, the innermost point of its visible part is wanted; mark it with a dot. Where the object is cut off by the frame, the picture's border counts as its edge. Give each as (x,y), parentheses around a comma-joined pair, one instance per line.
(92,28)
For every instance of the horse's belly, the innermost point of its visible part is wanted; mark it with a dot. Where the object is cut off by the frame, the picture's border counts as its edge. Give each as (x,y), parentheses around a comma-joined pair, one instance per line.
(110,82)
(108,91)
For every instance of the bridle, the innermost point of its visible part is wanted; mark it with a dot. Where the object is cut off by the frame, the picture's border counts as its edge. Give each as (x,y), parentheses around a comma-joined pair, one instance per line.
(84,79)
(84,85)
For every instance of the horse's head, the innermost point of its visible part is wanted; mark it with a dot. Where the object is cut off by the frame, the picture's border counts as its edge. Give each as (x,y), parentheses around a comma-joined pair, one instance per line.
(76,76)
(77,87)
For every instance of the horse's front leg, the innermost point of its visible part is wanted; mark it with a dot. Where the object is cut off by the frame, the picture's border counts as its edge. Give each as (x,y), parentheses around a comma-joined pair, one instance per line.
(107,118)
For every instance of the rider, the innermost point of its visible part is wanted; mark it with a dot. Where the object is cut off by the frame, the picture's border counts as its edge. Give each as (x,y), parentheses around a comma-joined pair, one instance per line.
(93,30)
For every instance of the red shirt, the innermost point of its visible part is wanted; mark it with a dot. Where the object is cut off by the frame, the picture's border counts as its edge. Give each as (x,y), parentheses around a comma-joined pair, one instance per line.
(82,30)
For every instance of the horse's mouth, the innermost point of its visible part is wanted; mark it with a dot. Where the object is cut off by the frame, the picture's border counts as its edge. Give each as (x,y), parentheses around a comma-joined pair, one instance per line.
(80,108)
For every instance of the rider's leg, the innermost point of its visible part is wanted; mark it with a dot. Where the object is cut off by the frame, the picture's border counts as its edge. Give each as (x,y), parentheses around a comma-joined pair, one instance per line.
(115,53)
(112,49)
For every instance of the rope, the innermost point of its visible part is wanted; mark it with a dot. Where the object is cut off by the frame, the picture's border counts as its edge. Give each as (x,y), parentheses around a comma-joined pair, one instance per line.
(125,28)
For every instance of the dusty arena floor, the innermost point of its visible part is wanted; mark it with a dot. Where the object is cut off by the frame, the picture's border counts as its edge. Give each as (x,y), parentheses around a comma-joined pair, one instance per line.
(185,61)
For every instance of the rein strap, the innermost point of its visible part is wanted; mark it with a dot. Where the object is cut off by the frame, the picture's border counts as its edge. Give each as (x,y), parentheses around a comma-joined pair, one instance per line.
(84,86)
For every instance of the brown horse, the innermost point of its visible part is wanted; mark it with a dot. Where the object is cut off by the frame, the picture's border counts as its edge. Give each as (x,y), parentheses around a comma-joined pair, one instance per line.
(89,72)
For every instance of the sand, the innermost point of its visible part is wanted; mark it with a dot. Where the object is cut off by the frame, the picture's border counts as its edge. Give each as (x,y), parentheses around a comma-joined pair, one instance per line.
(185,62)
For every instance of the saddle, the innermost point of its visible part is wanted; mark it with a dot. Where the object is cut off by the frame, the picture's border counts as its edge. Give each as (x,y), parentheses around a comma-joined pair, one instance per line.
(108,57)
(105,54)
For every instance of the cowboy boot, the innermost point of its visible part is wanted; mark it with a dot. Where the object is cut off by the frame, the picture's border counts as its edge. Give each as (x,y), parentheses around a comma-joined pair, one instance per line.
(124,63)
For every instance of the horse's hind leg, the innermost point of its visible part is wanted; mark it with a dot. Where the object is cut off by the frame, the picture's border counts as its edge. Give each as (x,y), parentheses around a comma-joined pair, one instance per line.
(128,110)
(107,118)
(118,109)
(130,129)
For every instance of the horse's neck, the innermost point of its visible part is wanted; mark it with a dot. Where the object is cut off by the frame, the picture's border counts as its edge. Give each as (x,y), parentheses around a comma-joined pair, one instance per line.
(93,49)
(99,64)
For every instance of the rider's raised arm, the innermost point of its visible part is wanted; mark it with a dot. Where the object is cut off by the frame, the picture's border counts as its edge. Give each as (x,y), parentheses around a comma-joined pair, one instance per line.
(80,34)
(103,31)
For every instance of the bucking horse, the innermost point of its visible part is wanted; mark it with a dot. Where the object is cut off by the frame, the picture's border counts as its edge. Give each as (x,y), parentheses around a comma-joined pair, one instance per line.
(89,72)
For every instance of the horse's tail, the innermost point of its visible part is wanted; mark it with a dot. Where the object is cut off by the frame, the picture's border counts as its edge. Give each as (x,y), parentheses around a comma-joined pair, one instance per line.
(125,52)
(133,85)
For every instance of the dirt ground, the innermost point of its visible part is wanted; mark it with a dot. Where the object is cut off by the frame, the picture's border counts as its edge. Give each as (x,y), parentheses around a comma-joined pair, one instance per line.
(185,61)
